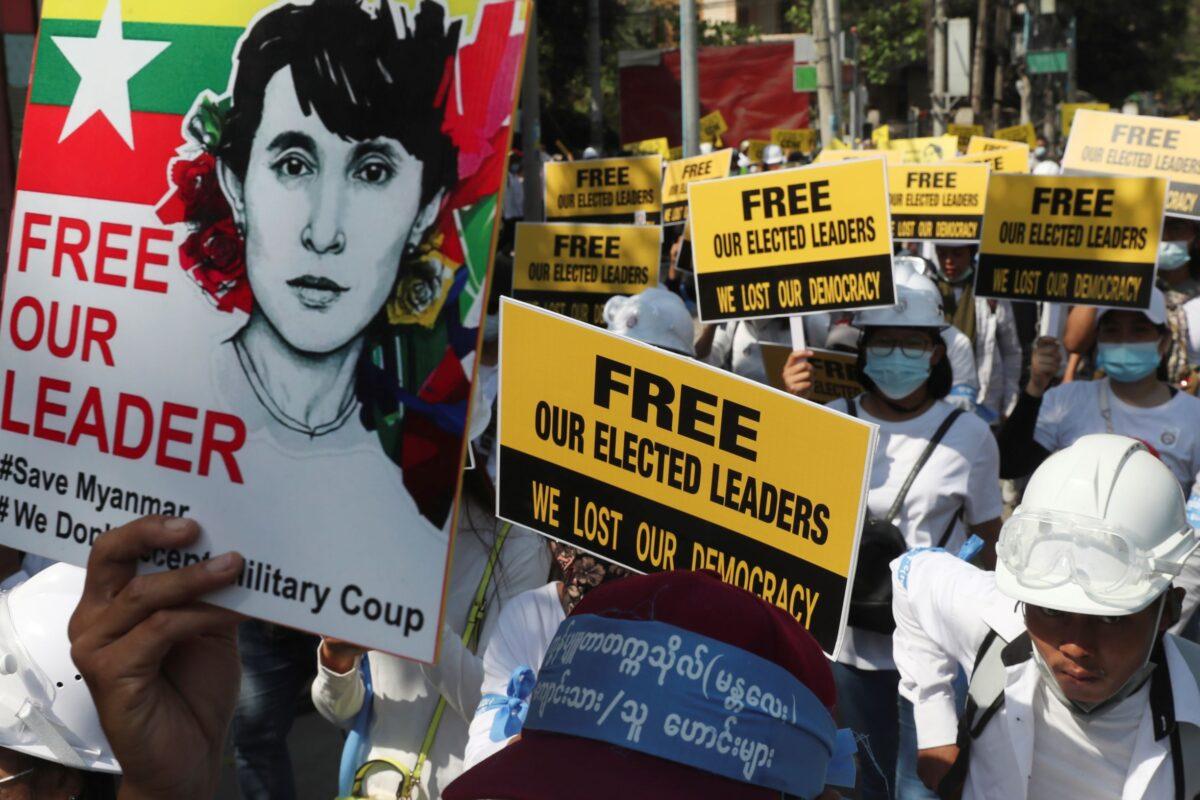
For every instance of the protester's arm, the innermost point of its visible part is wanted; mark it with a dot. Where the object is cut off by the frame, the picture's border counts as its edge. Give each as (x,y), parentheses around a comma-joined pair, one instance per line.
(162,667)
(983,505)
(1079,335)
(338,690)
(1020,450)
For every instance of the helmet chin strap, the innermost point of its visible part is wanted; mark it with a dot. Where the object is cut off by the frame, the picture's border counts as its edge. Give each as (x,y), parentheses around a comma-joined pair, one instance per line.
(1135,681)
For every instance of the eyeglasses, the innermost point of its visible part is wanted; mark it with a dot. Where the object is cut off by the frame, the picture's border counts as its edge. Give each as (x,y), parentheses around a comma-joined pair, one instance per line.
(911,346)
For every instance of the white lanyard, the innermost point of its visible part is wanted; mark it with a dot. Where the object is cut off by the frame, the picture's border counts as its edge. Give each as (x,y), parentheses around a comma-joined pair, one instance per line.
(1105,408)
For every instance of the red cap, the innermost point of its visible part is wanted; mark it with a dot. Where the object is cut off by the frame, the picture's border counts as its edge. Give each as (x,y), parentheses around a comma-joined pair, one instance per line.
(550,766)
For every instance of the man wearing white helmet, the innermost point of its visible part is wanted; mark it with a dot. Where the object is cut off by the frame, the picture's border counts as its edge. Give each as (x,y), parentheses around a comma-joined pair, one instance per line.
(934,481)
(773,157)
(51,742)
(1076,691)
(655,316)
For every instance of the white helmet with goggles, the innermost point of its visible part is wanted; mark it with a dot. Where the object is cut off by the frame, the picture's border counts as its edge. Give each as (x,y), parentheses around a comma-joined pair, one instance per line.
(46,710)
(918,301)
(1102,530)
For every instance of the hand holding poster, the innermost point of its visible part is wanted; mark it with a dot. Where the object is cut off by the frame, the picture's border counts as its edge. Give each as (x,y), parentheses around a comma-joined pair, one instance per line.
(659,462)
(225,228)
(680,173)
(713,127)
(1091,241)
(937,202)
(835,373)
(604,189)
(574,268)
(791,241)
(1121,144)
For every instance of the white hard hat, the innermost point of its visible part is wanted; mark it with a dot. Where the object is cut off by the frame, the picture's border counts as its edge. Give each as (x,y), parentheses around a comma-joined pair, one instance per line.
(918,301)
(1156,313)
(591,152)
(1102,529)
(46,710)
(655,316)
(1047,168)
(706,148)
(772,155)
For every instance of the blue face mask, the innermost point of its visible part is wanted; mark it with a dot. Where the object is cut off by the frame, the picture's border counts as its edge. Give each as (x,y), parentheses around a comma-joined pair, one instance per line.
(1128,362)
(1173,255)
(896,374)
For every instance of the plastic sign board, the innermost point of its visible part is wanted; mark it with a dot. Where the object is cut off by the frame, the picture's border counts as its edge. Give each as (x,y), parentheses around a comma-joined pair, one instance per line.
(657,462)
(804,78)
(218,252)
(1121,144)
(1069,110)
(800,140)
(1013,158)
(712,127)
(1047,62)
(964,133)
(680,173)
(835,373)
(605,189)
(924,150)
(1018,133)
(792,241)
(937,202)
(1082,240)
(574,268)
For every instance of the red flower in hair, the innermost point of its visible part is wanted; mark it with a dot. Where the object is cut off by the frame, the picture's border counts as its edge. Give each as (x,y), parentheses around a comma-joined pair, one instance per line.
(199,189)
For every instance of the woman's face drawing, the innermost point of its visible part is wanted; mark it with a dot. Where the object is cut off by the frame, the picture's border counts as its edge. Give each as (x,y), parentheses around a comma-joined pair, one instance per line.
(326,222)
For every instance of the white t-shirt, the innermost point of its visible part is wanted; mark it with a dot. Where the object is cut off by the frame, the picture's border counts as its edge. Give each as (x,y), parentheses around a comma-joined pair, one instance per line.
(525,628)
(962,474)
(1105,740)
(1072,410)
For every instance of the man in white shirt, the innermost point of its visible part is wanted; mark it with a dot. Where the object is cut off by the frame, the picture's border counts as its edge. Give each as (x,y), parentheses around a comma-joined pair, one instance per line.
(1076,689)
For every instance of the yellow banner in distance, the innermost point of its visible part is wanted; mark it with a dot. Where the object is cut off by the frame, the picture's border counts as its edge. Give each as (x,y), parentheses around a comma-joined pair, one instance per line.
(680,173)
(964,134)
(881,136)
(937,202)
(676,153)
(1123,144)
(605,189)
(982,144)
(1018,133)
(835,373)
(925,150)
(798,140)
(1069,110)
(712,127)
(755,151)
(650,147)
(1067,239)
(792,241)
(828,156)
(659,462)
(573,268)
(1013,159)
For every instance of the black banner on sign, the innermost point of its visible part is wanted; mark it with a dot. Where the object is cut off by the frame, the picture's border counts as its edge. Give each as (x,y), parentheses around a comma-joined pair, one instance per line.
(584,306)
(675,213)
(649,537)
(1065,280)
(652,218)
(1183,199)
(797,288)
(947,228)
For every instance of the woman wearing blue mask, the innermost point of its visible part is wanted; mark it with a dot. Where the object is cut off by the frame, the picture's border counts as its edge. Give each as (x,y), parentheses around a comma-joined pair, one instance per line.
(954,491)
(1134,399)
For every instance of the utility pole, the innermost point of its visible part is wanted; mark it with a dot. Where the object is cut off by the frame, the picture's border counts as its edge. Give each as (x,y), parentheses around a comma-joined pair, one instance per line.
(595,110)
(979,62)
(689,77)
(938,96)
(825,100)
(531,124)
(836,57)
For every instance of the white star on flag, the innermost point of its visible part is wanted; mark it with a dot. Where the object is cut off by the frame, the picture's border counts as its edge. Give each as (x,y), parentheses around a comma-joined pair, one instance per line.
(105,65)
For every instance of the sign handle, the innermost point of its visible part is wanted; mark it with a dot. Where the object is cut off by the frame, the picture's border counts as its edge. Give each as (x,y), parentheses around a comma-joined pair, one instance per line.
(799,342)
(1051,320)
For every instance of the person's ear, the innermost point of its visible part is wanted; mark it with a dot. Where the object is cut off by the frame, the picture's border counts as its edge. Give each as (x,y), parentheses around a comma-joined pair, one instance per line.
(1173,611)
(234,191)
(425,218)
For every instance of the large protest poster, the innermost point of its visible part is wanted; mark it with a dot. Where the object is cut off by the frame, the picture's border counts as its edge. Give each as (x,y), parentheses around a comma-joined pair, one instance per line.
(250,252)
(605,190)
(792,241)
(574,268)
(1091,241)
(659,462)
(679,174)
(937,202)
(1121,144)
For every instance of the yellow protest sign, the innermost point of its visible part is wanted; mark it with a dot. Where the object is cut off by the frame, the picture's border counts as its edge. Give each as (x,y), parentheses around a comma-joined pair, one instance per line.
(660,462)
(573,268)
(835,374)
(1069,110)
(1121,144)
(837,144)
(881,136)
(925,150)
(1011,159)
(937,202)
(792,241)
(650,147)
(964,133)
(982,144)
(755,151)
(1018,133)
(1085,240)
(605,189)
(800,140)
(828,156)
(680,173)
(712,127)
(676,153)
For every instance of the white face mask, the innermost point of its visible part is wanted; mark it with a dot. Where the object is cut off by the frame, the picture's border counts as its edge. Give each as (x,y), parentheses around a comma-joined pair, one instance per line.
(1173,256)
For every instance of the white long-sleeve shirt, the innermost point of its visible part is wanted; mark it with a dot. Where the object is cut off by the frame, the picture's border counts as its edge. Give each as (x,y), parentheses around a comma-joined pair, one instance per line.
(406,692)
(944,608)
(997,355)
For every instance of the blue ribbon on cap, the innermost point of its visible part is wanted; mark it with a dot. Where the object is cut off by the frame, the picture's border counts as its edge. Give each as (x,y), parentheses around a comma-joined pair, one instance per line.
(671,693)
(511,707)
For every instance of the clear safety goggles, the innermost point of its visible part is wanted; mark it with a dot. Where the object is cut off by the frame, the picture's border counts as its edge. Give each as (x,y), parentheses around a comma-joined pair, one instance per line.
(1043,550)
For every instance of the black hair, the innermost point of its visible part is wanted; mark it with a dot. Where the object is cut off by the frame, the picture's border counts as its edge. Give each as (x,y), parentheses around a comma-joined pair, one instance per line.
(360,76)
(941,375)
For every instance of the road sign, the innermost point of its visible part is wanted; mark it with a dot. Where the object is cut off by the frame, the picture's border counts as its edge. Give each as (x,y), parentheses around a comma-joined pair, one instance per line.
(1045,62)
(804,78)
